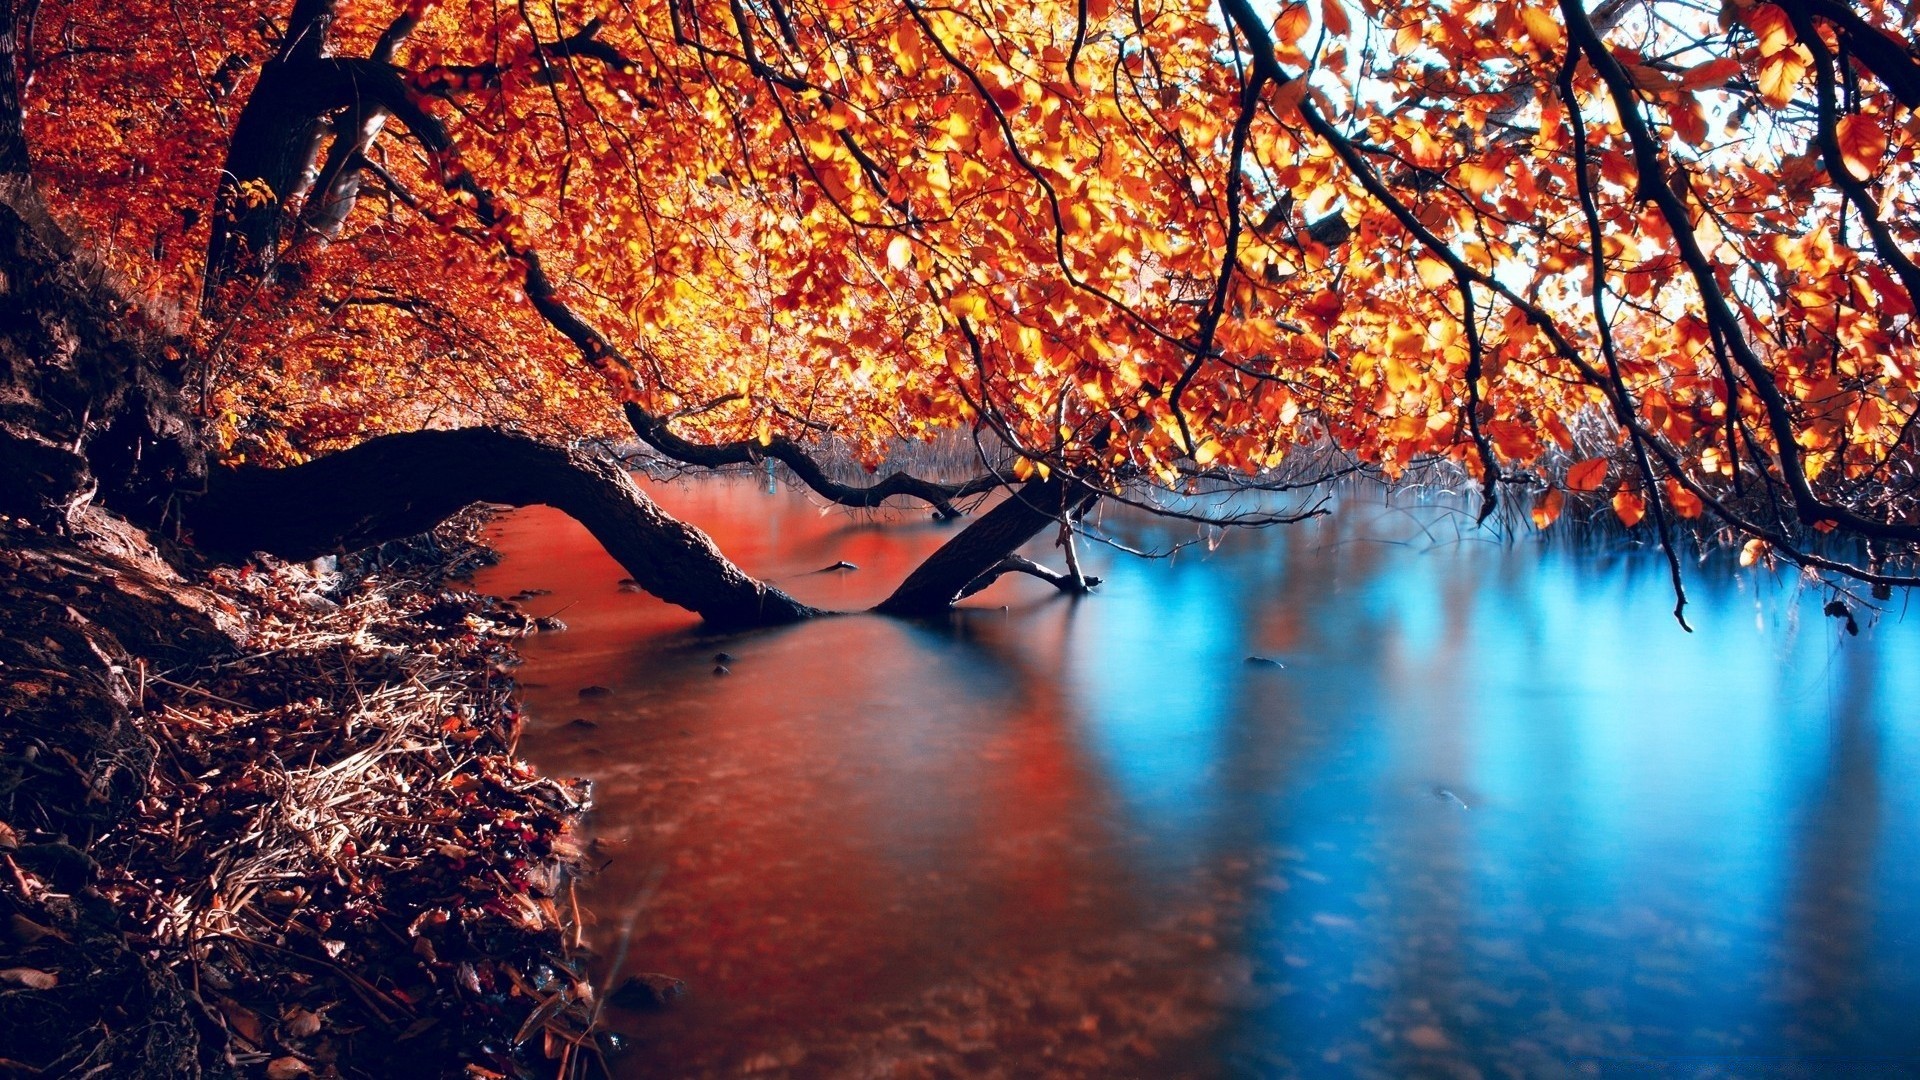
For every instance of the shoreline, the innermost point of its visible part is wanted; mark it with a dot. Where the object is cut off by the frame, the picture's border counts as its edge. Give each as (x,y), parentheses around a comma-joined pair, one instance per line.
(268,821)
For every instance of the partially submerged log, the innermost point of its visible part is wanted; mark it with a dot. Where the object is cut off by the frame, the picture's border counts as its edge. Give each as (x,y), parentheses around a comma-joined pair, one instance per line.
(985,546)
(400,485)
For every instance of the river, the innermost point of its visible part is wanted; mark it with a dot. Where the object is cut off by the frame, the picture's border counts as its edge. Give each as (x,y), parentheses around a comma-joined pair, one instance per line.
(1491,813)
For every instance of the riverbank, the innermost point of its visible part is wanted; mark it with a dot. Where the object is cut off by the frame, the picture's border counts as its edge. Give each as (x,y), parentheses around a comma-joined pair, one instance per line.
(269,821)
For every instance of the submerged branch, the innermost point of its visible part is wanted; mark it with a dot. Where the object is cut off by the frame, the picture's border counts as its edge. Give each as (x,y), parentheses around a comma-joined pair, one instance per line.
(1071,583)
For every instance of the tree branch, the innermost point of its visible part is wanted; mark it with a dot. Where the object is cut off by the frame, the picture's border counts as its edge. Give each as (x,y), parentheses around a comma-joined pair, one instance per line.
(1020,564)
(654,433)
(400,485)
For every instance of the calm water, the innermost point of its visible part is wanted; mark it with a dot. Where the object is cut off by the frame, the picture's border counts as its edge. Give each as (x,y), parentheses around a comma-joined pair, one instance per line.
(1496,816)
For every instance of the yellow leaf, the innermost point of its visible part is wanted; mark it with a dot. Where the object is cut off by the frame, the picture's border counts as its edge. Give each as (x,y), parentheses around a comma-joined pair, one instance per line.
(1780,76)
(1399,374)
(1542,28)
(899,253)
(1771,26)
(1479,178)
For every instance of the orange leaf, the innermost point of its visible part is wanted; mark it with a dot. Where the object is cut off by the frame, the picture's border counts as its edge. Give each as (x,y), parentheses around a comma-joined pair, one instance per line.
(1333,16)
(1863,142)
(1587,475)
(1630,507)
(1547,509)
(1707,76)
(1291,25)
(1479,178)
(1755,550)
(1685,503)
(1289,95)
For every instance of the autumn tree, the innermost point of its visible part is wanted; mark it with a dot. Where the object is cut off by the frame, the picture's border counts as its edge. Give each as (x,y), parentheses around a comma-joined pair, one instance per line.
(404,254)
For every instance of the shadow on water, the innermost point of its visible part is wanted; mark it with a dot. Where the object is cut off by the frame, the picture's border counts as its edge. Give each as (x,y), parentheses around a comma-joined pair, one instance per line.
(1492,813)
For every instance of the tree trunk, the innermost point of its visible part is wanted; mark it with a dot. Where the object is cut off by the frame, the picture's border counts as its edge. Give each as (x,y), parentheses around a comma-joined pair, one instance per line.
(399,485)
(980,547)
(13,135)
(86,415)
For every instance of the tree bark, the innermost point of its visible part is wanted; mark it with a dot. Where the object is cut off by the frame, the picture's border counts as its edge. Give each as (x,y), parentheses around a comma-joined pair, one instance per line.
(13,135)
(399,485)
(1072,582)
(279,136)
(984,545)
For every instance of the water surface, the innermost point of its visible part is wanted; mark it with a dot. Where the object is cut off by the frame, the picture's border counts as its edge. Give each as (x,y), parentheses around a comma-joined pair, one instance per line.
(1496,815)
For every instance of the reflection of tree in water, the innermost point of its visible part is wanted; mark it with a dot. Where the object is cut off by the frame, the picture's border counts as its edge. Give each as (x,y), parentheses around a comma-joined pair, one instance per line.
(885,851)
(1086,836)
(1830,909)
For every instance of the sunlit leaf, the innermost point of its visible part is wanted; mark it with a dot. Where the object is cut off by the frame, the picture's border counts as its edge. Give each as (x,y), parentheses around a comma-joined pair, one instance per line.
(1684,502)
(1587,475)
(1546,509)
(1542,29)
(1629,506)
(1863,144)
(1333,16)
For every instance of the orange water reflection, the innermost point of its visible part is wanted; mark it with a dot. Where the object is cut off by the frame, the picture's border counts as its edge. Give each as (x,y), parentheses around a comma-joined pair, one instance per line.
(866,849)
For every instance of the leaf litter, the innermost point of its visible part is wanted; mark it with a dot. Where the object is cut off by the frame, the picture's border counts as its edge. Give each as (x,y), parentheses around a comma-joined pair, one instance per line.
(333,851)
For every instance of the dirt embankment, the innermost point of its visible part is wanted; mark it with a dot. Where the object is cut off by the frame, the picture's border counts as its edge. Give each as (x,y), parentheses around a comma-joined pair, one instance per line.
(268,821)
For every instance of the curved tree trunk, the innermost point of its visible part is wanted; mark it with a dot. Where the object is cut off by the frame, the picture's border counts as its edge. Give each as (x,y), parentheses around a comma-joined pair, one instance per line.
(982,547)
(399,485)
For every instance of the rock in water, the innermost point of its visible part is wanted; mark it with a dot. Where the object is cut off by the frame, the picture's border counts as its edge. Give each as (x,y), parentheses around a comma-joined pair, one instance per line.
(649,991)
(1264,661)
(595,692)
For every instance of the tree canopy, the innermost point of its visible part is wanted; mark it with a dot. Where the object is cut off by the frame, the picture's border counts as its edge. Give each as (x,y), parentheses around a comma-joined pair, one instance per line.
(1653,252)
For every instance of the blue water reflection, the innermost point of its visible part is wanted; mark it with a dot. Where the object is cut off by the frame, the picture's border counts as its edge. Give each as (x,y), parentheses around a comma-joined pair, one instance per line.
(1495,815)
(1513,818)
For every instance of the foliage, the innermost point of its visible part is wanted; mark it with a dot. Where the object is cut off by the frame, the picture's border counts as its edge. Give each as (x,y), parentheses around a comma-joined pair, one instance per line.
(1657,252)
